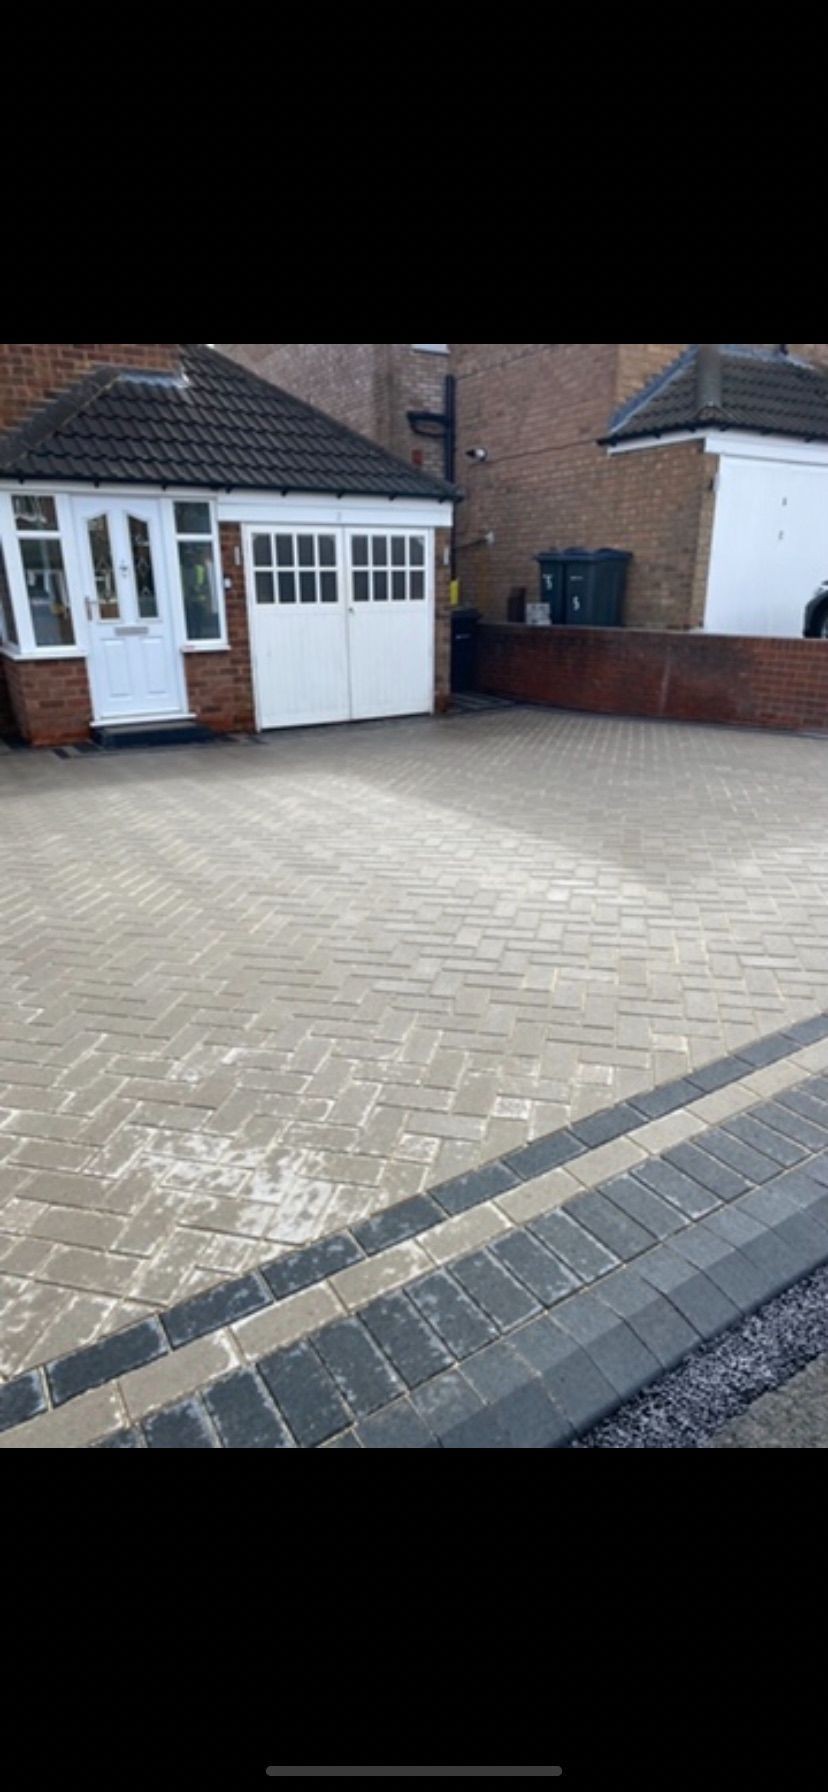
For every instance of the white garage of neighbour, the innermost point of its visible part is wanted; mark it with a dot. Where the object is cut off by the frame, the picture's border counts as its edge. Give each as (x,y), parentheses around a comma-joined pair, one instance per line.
(769,548)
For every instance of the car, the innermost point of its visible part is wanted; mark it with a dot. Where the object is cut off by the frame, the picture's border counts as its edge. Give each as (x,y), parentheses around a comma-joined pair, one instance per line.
(815,622)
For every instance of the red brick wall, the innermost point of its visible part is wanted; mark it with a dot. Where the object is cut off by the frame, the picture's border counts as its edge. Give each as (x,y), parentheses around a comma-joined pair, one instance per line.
(31,372)
(368,385)
(759,683)
(219,685)
(7,722)
(442,621)
(50,700)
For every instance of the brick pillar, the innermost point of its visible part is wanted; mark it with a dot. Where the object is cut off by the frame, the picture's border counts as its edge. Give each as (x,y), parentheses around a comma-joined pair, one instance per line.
(442,621)
(50,700)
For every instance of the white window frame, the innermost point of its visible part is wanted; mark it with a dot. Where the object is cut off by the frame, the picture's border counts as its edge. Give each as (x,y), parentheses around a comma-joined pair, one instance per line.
(430,348)
(388,530)
(28,647)
(216,643)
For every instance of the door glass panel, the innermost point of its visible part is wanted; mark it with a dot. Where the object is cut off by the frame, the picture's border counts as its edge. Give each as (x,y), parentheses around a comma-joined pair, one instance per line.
(306,556)
(103,570)
(142,566)
(284,550)
(327,550)
(380,587)
(262,550)
(359,550)
(379,550)
(307,585)
(398,586)
(417,584)
(328,583)
(398,550)
(417,550)
(287,588)
(360,587)
(264,588)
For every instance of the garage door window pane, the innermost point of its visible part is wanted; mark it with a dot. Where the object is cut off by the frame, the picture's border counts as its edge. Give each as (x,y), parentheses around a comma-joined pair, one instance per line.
(398,591)
(306,554)
(287,588)
(416,550)
(398,550)
(359,550)
(264,588)
(360,587)
(328,583)
(417,585)
(284,550)
(262,550)
(307,587)
(379,550)
(327,550)
(380,587)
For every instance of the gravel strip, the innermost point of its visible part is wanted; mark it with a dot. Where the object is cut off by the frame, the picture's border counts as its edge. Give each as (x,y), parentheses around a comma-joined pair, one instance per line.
(713,1386)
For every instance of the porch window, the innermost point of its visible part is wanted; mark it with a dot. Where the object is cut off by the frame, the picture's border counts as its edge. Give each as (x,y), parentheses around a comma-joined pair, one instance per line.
(44,576)
(197,568)
(8,626)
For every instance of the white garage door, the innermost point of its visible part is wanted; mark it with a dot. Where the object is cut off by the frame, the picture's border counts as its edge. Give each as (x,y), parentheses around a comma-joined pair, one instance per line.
(342,624)
(770,546)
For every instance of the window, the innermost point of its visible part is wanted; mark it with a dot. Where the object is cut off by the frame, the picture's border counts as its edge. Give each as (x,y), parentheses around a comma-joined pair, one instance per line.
(289,568)
(197,568)
(388,568)
(43,571)
(8,626)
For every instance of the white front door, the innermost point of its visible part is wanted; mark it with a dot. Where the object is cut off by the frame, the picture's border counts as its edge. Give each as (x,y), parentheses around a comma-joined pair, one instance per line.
(134,662)
(342,623)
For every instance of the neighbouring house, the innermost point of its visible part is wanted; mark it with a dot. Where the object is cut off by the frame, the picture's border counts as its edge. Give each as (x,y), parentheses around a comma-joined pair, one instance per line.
(710,469)
(182,543)
(399,393)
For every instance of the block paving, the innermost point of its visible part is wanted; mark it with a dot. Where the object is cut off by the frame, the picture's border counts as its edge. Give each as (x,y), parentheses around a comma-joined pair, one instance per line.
(260,995)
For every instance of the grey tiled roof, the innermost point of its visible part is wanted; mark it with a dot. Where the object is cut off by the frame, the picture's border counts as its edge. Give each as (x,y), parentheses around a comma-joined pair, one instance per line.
(762,391)
(221,428)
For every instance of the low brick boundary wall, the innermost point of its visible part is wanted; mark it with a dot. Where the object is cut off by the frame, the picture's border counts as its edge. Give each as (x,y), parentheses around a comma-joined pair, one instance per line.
(748,680)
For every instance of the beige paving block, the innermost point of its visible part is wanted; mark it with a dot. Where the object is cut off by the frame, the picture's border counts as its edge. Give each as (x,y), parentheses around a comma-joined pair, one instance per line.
(288,1320)
(180,1373)
(721,1103)
(76,1267)
(814,1057)
(70,1427)
(538,1196)
(606,1160)
(772,1078)
(379,1274)
(671,1129)
(465,1232)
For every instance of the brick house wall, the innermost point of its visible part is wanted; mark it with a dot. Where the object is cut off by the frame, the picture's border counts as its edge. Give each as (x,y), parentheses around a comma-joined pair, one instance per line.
(537,409)
(749,681)
(368,385)
(32,372)
(7,721)
(442,620)
(50,700)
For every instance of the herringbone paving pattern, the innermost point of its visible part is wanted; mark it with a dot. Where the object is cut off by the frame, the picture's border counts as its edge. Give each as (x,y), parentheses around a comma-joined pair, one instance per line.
(252,993)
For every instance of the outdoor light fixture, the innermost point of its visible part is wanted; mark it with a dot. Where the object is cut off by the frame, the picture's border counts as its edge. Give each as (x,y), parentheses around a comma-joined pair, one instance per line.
(477,453)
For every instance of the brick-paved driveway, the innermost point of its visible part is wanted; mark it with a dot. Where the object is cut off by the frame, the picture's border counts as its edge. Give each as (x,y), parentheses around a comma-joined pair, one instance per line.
(251,993)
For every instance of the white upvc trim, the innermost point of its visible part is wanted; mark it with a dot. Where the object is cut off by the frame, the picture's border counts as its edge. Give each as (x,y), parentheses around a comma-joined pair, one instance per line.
(232,505)
(742,443)
(780,448)
(332,512)
(218,643)
(677,435)
(10,652)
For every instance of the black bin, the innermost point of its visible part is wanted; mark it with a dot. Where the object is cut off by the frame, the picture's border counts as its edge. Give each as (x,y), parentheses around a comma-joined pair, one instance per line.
(583,585)
(464,620)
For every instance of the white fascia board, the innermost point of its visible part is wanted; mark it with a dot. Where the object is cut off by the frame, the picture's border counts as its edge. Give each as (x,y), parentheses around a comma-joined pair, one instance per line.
(315,507)
(256,507)
(780,448)
(678,435)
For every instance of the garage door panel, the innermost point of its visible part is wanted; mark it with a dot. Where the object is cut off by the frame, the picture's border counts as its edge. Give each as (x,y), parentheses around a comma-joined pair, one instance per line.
(391,624)
(299,635)
(769,550)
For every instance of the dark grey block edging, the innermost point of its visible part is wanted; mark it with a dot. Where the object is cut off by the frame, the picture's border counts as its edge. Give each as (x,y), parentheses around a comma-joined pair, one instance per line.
(94,1365)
